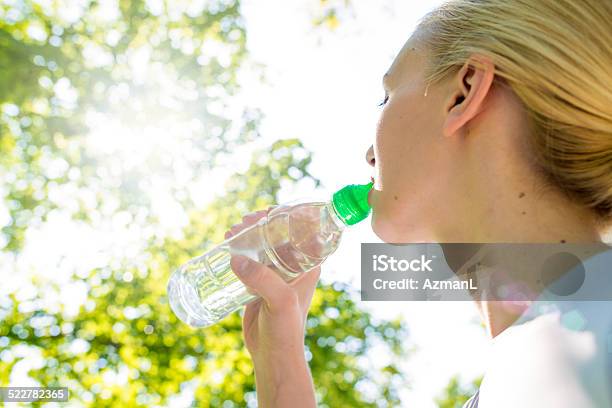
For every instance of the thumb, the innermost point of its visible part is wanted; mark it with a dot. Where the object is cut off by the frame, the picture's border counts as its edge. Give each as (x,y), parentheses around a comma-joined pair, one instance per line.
(263,280)
(305,286)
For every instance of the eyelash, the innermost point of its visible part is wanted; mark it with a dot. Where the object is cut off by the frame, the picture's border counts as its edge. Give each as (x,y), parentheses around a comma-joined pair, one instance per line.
(385,100)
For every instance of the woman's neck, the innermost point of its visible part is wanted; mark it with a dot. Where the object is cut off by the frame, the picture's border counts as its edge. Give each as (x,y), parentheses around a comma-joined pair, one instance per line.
(526,272)
(519,211)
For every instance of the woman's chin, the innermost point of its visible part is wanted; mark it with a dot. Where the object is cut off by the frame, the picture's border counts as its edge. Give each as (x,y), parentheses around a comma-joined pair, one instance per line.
(389,230)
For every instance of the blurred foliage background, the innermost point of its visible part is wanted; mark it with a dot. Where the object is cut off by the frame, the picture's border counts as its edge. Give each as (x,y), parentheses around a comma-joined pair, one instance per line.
(455,394)
(113,118)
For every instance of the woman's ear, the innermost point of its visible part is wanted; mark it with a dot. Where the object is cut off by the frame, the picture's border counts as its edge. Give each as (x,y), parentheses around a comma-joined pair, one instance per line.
(470,87)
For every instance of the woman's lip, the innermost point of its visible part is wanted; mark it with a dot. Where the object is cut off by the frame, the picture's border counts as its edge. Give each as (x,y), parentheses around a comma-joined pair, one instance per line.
(371,191)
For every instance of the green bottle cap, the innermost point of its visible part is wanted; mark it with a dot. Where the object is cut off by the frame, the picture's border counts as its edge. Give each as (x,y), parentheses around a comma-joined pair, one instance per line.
(351,203)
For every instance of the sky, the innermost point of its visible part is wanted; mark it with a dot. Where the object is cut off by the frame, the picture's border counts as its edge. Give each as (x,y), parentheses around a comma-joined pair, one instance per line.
(324,87)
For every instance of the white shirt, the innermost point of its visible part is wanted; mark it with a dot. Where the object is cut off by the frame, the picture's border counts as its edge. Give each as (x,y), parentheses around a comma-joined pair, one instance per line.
(559,353)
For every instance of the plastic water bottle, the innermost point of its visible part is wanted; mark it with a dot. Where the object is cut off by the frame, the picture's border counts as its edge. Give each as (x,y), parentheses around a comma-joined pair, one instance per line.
(291,240)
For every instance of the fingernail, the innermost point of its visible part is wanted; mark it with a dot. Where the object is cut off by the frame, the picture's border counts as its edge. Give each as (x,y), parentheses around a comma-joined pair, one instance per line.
(240,264)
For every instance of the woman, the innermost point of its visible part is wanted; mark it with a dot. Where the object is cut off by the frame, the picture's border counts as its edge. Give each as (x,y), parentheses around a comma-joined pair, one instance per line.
(496,127)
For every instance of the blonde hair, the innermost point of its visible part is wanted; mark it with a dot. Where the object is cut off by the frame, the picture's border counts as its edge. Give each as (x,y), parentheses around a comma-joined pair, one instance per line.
(556,55)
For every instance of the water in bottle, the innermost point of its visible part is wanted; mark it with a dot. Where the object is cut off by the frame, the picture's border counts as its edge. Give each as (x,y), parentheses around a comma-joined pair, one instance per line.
(291,239)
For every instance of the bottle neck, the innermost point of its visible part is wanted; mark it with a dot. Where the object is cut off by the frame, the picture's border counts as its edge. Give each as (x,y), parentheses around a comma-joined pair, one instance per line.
(333,214)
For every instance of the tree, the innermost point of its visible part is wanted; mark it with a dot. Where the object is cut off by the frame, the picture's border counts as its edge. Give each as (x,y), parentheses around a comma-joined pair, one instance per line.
(126,347)
(331,13)
(147,72)
(67,70)
(455,394)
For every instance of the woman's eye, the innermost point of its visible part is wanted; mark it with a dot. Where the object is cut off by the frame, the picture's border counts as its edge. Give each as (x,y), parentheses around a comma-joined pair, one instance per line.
(384,101)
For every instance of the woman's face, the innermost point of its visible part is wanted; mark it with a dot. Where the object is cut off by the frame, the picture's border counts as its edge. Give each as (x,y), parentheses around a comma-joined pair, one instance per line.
(409,154)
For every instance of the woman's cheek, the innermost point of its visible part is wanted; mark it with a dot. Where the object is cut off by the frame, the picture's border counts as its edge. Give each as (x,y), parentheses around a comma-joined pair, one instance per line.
(387,216)
(403,146)
(387,150)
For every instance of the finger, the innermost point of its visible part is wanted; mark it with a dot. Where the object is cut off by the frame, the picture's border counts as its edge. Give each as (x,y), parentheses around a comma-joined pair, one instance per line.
(305,285)
(307,281)
(236,228)
(251,311)
(287,253)
(248,220)
(264,281)
(254,216)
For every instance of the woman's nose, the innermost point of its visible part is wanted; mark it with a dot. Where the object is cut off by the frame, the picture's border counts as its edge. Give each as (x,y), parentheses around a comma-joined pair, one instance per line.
(370,156)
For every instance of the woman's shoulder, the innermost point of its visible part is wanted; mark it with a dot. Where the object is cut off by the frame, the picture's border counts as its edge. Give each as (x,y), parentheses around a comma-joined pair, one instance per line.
(542,362)
(559,352)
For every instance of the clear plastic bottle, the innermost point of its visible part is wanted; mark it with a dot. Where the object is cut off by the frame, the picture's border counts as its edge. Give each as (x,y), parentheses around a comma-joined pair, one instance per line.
(291,239)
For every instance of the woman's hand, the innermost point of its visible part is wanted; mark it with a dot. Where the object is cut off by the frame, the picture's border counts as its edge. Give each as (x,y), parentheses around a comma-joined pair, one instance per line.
(274,328)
